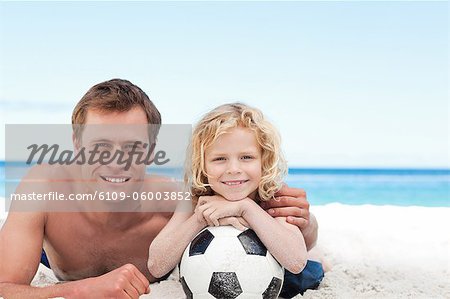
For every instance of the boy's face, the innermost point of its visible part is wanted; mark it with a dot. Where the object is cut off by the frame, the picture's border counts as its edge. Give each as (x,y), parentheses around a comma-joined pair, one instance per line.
(111,132)
(233,164)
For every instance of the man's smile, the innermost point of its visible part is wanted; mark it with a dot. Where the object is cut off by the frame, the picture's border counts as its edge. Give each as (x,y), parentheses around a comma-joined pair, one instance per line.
(115,179)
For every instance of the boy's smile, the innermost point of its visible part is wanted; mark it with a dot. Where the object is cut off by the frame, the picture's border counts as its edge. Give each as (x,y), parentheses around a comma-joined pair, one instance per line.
(235,182)
(233,164)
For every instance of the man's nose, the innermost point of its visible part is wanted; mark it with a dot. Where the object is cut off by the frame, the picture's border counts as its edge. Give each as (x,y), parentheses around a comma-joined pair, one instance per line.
(119,157)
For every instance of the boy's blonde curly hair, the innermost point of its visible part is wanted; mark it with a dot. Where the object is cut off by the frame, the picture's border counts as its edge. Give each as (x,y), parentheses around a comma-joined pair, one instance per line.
(218,122)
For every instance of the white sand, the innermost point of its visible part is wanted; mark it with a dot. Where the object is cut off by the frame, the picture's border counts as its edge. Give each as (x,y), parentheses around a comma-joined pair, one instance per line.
(376,252)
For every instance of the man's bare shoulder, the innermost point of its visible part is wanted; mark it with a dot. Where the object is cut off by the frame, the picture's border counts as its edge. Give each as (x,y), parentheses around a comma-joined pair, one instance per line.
(162,183)
(155,177)
(45,178)
(46,172)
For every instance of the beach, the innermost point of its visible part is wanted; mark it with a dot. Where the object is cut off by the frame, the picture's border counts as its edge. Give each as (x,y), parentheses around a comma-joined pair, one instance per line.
(374,251)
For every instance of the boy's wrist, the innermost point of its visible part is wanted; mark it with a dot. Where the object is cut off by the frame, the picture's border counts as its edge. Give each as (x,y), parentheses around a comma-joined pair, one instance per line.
(246,206)
(199,221)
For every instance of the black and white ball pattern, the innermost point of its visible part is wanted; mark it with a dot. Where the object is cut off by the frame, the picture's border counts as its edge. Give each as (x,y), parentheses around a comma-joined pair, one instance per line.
(226,263)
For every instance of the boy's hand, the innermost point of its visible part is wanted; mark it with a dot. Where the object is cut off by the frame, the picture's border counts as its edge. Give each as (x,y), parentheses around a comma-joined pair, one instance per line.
(290,203)
(214,208)
(237,222)
(202,200)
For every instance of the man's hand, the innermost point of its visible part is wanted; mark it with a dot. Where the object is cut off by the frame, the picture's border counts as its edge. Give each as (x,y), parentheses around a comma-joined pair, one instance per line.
(290,203)
(124,282)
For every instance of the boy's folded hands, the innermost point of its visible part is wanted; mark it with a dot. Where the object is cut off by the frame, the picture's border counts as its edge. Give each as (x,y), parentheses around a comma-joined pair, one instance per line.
(216,211)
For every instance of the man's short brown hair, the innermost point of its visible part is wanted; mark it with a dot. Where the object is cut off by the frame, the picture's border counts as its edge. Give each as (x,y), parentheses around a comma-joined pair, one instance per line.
(116,95)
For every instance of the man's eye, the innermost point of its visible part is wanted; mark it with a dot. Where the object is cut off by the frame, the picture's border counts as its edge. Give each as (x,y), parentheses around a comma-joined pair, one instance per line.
(103,144)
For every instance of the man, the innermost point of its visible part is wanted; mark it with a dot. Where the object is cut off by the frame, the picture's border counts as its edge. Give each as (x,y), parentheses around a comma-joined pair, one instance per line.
(101,254)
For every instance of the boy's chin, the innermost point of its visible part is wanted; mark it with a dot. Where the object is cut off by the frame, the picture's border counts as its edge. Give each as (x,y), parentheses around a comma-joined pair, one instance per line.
(235,197)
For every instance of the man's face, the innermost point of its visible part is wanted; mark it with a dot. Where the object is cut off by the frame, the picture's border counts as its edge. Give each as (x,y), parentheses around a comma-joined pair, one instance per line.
(116,133)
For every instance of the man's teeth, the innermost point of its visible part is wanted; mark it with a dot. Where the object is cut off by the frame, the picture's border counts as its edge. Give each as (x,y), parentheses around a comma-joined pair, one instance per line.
(115,180)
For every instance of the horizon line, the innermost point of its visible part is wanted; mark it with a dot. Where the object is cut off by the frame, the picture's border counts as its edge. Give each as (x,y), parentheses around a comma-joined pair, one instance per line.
(310,167)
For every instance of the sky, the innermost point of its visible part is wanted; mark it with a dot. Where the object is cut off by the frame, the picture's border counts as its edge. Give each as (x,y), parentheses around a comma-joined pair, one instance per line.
(348,84)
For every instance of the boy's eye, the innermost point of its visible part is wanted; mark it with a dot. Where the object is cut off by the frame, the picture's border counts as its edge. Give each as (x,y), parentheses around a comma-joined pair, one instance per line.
(247,157)
(219,159)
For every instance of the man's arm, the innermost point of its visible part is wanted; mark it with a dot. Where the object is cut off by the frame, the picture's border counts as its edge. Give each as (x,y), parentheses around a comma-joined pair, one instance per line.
(13,290)
(21,239)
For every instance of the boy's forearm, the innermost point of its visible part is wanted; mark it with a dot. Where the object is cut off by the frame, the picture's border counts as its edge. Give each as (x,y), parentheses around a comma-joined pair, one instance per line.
(166,251)
(12,290)
(310,233)
(277,238)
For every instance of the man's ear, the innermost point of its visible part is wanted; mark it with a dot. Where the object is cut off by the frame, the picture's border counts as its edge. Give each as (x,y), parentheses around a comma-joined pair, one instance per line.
(150,154)
(76,143)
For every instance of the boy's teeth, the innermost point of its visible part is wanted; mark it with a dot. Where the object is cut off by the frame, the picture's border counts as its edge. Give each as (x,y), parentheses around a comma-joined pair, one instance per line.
(234,183)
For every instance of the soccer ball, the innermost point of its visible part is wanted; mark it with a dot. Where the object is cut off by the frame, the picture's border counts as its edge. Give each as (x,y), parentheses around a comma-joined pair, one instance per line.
(226,263)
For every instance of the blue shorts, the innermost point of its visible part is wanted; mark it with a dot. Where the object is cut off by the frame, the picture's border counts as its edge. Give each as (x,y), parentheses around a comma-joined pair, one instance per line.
(294,284)
(308,279)
(44,260)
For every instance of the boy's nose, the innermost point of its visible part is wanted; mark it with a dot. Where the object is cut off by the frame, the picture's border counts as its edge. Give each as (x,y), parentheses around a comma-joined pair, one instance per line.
(234,167)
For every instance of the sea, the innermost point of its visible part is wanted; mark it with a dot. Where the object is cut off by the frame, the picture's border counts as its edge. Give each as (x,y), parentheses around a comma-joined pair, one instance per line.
(399,187)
